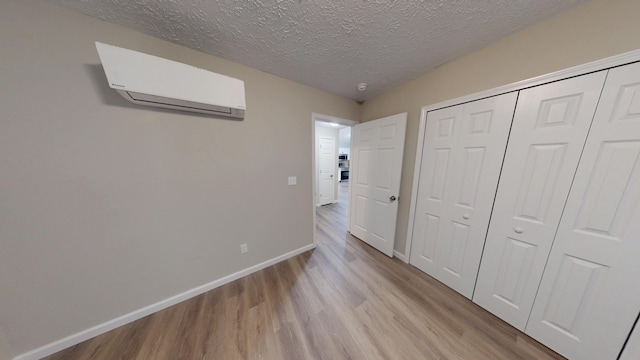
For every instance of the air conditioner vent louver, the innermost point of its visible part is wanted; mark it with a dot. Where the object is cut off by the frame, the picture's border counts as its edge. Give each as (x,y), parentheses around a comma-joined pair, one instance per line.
(153,81)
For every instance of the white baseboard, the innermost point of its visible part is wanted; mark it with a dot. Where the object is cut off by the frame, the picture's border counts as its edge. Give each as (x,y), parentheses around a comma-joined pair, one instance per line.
(400,256)
(87,334)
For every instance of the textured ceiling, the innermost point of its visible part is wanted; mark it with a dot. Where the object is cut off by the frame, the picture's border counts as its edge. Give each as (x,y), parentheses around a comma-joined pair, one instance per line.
(330,45)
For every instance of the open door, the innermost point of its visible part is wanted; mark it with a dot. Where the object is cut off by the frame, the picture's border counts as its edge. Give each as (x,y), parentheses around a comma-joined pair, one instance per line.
(376,166)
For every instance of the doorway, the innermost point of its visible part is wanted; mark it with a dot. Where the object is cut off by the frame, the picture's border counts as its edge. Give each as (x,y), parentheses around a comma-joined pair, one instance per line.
(331,167)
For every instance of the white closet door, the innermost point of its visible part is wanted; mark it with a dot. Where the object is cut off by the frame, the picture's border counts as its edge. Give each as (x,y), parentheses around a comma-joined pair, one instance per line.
(590,293)
(438,154)
(547,137)
(462,158)
(632,348)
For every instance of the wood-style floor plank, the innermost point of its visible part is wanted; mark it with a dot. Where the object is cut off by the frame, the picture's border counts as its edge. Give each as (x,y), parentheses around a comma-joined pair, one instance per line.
(342,300)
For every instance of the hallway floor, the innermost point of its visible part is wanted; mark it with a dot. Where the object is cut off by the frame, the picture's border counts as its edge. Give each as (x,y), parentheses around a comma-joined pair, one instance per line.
(342,300)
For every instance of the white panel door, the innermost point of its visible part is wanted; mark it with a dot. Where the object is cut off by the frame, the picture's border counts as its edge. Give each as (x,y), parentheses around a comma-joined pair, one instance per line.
(326,169)
(376,166)
(632,348)
(461,161)
(589,296)
(437,159)
(547,137)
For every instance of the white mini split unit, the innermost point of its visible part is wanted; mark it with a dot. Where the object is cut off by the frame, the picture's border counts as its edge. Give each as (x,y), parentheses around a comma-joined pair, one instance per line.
(153,81)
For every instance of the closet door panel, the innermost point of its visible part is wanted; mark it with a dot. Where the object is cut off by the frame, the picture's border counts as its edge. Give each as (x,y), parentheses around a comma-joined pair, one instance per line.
(547,137)
(482,141)
(454,228)
(435,178)
(589,296)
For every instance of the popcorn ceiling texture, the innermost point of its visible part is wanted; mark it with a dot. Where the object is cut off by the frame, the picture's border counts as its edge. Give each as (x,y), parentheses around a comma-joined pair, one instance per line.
(330,45)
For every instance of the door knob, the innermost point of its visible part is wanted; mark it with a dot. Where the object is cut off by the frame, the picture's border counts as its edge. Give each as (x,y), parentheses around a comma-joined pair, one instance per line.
(331,175)
(518,230)
(465,216)
(392,198)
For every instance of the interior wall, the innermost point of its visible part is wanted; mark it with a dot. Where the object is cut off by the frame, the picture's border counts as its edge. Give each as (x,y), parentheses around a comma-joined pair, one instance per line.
(107,207)
(325,131)
(595,30)
(344,146)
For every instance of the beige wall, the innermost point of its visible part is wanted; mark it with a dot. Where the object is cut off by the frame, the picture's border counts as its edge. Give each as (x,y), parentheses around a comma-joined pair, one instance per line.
(107,207)
(595,30)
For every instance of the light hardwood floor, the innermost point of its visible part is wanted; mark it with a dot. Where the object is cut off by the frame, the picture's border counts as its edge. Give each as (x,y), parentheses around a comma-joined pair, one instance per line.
(343,300)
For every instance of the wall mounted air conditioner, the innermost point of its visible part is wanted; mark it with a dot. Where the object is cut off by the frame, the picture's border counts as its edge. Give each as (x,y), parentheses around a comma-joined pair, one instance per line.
(153,81)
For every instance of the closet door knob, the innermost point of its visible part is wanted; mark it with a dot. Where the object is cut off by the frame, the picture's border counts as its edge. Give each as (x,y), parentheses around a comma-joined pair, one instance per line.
(518,230)
(465,216)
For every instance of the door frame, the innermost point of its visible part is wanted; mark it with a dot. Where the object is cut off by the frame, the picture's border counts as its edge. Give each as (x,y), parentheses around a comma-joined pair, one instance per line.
(602,64)
(314,168)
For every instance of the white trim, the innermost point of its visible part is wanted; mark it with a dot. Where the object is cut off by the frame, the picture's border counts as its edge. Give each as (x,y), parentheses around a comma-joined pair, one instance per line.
(332,119)
(400,256)
(414,187)
(602,64)
(598,65)
(81,336)
(314,172)
(349,187)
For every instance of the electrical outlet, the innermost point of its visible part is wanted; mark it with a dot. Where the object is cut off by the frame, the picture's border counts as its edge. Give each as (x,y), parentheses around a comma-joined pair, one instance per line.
(243,248)
(292,180)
